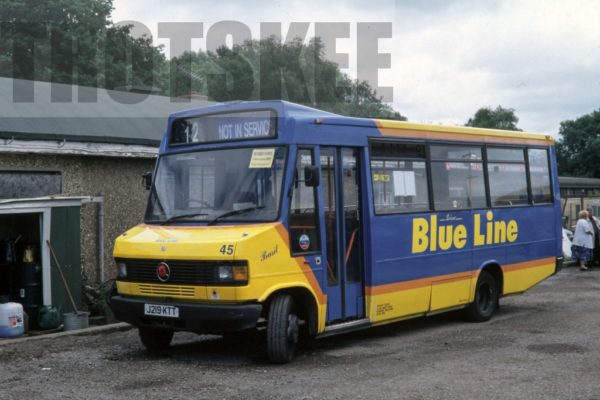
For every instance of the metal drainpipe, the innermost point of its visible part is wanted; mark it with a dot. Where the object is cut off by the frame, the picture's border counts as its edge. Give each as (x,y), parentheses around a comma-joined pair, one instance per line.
(101,237)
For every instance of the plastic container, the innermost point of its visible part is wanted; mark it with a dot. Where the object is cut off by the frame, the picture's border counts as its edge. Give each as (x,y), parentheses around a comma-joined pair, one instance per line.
(74,321)
(11,320)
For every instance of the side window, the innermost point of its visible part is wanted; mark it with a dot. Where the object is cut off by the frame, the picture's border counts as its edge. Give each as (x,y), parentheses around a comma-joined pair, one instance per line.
(399,175)
(304,225)
(507,176)
(539,172)
(457,176)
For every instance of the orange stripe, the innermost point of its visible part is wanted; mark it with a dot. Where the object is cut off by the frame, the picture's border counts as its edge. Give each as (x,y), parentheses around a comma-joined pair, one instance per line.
(528,264)
(415,284)
(424,282)
(302,263)
(407,133)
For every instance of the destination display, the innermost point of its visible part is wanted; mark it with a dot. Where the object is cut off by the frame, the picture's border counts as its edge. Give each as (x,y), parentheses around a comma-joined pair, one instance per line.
(256,124)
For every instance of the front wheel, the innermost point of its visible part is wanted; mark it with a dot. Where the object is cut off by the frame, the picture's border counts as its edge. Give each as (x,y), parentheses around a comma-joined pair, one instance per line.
(282,329)
(155,339)
(486,298)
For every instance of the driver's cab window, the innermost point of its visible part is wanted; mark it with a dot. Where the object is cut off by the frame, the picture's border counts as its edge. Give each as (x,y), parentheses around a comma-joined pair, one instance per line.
(304,227)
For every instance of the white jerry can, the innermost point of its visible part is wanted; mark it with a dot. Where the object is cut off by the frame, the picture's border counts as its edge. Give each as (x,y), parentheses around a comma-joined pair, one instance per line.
(11,320)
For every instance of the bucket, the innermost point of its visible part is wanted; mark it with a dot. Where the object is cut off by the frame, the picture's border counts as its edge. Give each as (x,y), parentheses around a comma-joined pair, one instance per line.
(77,321)
(11,320)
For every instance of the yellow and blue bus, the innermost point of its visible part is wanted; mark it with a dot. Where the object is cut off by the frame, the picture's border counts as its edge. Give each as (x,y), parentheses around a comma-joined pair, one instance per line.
(275,216)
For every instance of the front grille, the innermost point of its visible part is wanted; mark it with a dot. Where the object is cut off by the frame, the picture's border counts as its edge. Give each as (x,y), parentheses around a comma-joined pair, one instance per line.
(198,273)
(167,290)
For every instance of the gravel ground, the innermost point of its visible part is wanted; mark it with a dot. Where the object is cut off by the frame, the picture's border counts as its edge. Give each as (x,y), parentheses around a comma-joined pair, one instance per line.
(541,345)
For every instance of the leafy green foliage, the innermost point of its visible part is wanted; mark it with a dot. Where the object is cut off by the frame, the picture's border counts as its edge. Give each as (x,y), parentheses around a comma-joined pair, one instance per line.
(132,61)
(500,118)
(74,41)
(268,69)
(234,79)
(578,149)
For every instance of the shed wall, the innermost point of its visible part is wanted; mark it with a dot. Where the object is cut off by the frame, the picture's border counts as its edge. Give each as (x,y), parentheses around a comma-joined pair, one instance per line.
(119,179)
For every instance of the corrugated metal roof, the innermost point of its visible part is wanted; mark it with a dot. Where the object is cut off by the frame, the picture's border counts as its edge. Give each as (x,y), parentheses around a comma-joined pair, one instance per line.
(49,111)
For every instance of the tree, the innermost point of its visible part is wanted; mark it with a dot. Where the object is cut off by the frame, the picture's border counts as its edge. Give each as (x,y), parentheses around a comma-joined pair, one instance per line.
(360,100)
(578,148)
(500,118)
(234,79)
(268,69)
(130,61)
(188,74)
(74,42)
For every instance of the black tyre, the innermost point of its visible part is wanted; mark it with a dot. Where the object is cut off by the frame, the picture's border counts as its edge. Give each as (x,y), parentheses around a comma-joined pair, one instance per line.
(155,339)
(283,329)
(486,298)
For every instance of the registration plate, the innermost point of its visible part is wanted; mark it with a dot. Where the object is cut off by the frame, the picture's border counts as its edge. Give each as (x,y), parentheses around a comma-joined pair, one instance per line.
(161,311)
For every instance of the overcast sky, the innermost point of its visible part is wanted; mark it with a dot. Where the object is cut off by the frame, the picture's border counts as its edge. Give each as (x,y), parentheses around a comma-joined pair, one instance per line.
(449,58)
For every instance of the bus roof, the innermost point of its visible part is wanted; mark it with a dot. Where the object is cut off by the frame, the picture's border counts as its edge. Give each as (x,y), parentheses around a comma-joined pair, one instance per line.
(439,131)
(387,128)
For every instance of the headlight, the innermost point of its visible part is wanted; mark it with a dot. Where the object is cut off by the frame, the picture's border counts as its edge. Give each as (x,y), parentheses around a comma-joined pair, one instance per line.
(232,274)
(121,270)
(225,273)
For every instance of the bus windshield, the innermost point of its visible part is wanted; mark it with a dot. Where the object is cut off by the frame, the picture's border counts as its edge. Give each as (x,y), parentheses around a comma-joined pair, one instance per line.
(242,184)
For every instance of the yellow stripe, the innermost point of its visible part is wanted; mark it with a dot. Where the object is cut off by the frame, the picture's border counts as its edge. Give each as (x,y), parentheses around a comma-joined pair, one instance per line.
(528,264)
(428,131)
(523,276)
(415,284)
(385,303)
(423,282)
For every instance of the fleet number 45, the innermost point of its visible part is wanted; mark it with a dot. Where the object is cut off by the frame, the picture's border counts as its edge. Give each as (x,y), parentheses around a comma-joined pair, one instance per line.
(226,249)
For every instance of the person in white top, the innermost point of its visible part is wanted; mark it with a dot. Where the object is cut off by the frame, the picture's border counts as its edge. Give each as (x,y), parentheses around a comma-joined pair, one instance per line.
(583,240)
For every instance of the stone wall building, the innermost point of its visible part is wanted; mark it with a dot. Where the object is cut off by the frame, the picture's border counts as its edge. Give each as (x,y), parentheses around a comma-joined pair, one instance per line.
(61,141)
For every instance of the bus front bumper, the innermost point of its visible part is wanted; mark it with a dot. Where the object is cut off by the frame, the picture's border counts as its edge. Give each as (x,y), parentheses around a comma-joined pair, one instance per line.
(193,317)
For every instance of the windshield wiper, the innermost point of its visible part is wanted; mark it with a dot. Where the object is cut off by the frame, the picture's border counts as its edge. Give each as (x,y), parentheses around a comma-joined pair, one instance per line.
(181,216)
(233,212)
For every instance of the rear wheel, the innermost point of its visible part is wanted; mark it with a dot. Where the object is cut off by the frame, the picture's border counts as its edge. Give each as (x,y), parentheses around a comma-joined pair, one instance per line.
(155,339)
(486,298)
(283,328)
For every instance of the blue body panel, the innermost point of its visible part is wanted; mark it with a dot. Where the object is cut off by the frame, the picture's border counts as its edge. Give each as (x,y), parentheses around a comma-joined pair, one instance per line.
(388,255)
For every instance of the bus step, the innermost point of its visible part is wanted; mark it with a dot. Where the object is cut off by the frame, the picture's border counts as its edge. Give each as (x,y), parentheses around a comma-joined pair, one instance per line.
(344,327)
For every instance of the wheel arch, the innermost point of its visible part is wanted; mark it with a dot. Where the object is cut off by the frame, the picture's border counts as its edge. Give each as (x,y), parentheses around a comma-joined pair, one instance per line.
(494,268)
(304,301)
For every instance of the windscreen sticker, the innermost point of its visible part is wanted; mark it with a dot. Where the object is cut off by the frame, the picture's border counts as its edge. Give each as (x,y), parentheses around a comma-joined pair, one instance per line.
(262,158)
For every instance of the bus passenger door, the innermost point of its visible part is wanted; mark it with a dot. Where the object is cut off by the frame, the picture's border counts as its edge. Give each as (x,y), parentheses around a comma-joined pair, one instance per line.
(343,237)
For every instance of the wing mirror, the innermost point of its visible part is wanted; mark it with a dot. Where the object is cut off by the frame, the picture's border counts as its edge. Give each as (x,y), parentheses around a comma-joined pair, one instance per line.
(147,180)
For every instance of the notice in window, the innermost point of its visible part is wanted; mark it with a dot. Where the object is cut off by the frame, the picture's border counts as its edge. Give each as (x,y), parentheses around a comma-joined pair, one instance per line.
(262,158)
(404,183)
